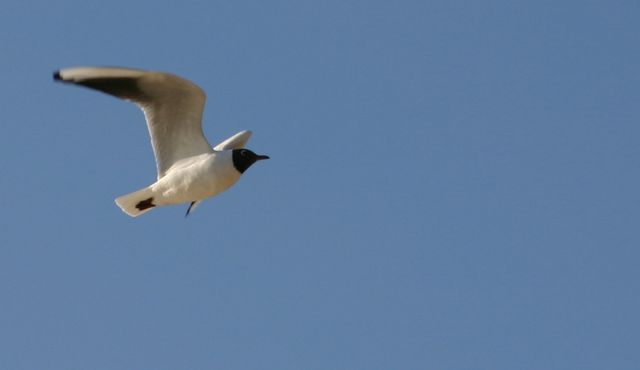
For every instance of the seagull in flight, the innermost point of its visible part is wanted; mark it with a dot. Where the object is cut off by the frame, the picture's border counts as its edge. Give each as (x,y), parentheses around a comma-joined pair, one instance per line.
(189,169)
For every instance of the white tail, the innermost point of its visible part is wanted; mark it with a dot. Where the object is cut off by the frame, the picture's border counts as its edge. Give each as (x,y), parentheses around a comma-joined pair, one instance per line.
(136,203)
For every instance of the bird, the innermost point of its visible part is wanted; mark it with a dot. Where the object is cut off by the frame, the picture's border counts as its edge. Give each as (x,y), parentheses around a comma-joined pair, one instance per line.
(189,169)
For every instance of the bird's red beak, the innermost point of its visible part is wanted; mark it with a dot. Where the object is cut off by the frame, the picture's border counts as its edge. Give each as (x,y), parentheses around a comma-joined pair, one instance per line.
(261,157)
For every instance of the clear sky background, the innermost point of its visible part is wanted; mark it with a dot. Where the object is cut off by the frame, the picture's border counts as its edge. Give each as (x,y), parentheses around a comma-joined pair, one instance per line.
(453,185)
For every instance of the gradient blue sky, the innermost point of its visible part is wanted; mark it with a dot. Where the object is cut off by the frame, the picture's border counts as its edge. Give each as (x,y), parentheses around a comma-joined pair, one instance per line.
(453,185)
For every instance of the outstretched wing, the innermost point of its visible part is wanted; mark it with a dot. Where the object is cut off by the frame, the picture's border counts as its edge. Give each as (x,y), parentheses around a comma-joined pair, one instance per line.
(172,107)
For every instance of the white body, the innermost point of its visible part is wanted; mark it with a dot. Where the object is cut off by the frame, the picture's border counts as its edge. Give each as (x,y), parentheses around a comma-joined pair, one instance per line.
(189,180)
(195,178)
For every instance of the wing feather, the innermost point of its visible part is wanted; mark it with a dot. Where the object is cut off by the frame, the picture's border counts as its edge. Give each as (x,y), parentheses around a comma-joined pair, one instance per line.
(236,141)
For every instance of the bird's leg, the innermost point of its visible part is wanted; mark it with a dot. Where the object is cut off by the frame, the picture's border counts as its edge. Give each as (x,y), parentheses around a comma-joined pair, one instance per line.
(189,209)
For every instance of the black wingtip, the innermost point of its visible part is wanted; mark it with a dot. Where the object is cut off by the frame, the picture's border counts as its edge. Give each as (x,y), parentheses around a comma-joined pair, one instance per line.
(56,76)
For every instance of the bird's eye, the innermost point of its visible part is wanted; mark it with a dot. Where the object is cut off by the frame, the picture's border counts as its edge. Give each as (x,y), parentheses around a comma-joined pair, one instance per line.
(243,153)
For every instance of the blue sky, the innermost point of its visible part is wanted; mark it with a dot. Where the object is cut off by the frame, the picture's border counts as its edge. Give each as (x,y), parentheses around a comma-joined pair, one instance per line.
(453,185)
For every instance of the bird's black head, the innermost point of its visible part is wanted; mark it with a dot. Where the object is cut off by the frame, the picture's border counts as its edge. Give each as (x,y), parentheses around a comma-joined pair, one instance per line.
(244,158)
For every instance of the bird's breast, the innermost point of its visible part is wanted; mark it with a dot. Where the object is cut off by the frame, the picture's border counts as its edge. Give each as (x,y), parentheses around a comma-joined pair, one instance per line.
(197,179)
